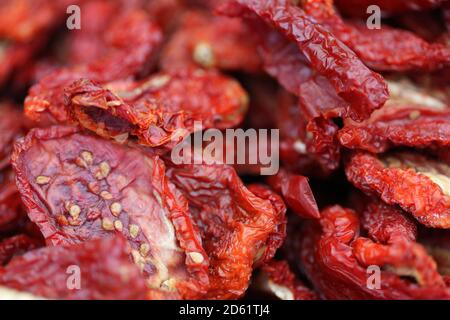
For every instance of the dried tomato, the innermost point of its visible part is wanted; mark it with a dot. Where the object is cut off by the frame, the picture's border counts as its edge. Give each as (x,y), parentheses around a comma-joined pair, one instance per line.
(393,244)
(306,147)
(359,7)
(277,279)
(132,41)
(16,245)
(384,49)
(323,143)
(402,258)
(78,187)
(387,224)
(415,182)
(399,126)
(30,18)
(166,13)
(139,77)
(34,22)
(209,41)
(10,213)
(297,193)
(364,90)
(15,55)
(437,243)
(278,234)
(410,118)
(241,228)
(283,61)
(326,254)
(12,125)
(158,110)
(87,44)
(101,266)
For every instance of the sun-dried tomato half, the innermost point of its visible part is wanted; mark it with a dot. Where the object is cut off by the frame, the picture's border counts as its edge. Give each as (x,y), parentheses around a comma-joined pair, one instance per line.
(392,244)
(327,256)
(241,228)
(278,280)
(206,41)
(384,48)
(410,118)
(158,110)
(402,258)
(359,7)
(95,269)
(363,89)
(78,187)
(417,183)
(132,40)
(16,245)
(411,126)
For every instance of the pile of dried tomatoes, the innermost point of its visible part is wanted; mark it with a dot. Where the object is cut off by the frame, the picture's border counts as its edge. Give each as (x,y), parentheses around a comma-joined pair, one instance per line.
(92,206)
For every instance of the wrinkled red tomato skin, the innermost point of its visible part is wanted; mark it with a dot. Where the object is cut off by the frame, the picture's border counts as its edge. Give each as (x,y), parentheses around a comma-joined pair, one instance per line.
(104,267)
(78,187)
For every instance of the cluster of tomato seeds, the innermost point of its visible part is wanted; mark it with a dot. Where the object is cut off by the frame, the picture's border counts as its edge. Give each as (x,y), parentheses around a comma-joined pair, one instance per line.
(94,205)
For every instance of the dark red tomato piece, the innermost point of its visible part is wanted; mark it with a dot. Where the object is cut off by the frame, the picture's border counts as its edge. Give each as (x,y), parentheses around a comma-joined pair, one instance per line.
(14,55)
(307,147)
(297,193)
(87,44)
(160,109)
(95,269)
(241,227)
(326,253)
(131,41)
(25,28)
(387,224)
(384,48)
(363,89)
(412,117)
(403,258)
(417,183)
(16,245)
(393,244)
(206,41)
(78,187)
